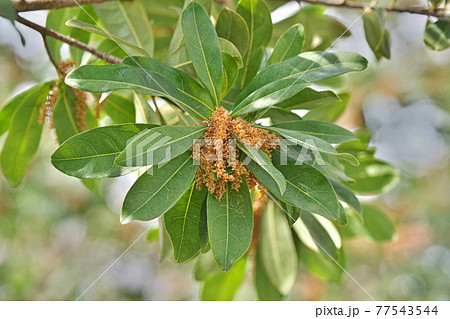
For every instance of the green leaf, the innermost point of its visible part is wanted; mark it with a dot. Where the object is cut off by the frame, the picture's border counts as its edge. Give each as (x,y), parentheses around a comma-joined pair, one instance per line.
(145,112)
(229,48)
(313,143)
(259,24)
(321,266)
(29,96)
(281,81)
(125,45)
(306,187)
(278,115)
(7,10)
(56,21)
(64,114)
(277,249)
(205,267)
(165,246)
(159,144)
(376,35)
(232,27)
(87,14)
(371,176)
(319,234)
(105,78)
(181,80)
(182,224)
(230,73)
(224,285)
(203,47)
(437,35)
(157,190)
(288,45)
(309,99)
(328,132)
(94,185)
(346,195)
(24,134)
(377,226)
(127,20)
(153,234)
(292,213)
(265,164)
(265,289)
(121,109)
(91,154)
(329,112)
(203,228)
(230,225)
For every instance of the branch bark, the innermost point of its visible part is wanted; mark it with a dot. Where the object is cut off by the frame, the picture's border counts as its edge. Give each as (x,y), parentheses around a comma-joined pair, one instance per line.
(32,5)
(438,13)
(61,37)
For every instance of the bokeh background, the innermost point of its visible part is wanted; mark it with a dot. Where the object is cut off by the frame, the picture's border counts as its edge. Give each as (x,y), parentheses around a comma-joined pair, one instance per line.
(57,237)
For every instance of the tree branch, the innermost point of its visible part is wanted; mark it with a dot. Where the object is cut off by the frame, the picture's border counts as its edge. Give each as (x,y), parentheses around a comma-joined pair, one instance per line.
(61,37)
(438,13)
(32,5)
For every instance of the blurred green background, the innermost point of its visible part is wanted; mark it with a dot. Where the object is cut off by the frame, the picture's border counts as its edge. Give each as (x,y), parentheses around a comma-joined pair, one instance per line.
(57,237)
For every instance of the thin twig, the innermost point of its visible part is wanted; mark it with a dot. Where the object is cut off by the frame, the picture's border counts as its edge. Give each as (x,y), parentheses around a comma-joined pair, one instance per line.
(75,43)
(438,13)
(50,56)
(32,5)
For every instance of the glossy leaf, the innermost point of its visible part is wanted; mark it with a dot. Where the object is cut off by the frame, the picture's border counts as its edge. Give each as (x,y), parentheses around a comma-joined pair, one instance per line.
(121,109)
(346,195)
(125,45)
(329,112)
(437,35)
(27,97)
(91,154)
(184,83)
(277,249)
(182,224)
(259,24)
(159,144)
(319,234)
(24,134)
(309,99)
(230,225)
(306,187)
(376,226)
(229,48)
(278,115)
(106,78)
(230,73)
(313,143)
(232,27)
(65,114)
(265,289)
(326,131)
(157,190)
(223,285)
(56,21)
(321,266)
(145,113)
(203,47)
(264,163)
(371,176)
(288,45)
(203,228)
(127,20)
(283,80)
(376,35)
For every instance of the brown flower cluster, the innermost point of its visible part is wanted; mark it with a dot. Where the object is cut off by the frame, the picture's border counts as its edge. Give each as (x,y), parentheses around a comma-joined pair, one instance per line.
(218,155)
